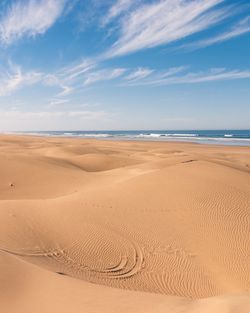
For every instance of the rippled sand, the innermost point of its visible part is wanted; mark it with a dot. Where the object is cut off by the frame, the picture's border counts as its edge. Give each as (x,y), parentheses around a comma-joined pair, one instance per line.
(166,224)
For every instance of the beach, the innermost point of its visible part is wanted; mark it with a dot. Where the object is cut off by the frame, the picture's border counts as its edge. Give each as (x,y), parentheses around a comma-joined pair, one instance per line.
(91,225)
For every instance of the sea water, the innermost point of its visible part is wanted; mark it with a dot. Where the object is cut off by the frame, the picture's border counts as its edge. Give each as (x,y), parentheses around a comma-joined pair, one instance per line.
(224,137)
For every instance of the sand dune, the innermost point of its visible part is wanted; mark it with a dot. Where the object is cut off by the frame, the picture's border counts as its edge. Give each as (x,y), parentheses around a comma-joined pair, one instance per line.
(166,224)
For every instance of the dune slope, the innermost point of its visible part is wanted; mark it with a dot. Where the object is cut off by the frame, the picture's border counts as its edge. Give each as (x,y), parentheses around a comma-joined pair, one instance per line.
(168,222)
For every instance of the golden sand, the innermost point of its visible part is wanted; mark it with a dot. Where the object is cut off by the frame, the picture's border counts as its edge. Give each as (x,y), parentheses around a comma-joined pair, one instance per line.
(166,224)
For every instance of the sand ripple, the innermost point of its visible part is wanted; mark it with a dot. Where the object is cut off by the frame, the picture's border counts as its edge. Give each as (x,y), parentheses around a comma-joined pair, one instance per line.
(163,218)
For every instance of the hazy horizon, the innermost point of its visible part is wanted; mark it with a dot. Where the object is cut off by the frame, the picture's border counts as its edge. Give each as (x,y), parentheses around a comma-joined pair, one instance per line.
(128,130)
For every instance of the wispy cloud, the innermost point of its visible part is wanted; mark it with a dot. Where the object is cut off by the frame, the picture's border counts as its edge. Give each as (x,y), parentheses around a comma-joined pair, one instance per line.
(171,71)
(71,77)
(103,75)
(53,80)
(165,21)
(236,30)
(66,81)
(151,76)
(56,102)
(29,18)
(76,70)
(139,74)
(14,78)
(66,90)
(119,7)
(180,75)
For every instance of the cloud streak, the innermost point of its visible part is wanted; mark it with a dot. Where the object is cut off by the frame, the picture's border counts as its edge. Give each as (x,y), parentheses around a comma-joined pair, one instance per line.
(139,74)
(241,28)
(164,22)
(71,77)
(117,9)
(103,75)
(13,78)
(29,18)
(180,75)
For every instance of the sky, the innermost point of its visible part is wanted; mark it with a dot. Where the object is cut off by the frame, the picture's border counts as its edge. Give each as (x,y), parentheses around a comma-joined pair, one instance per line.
(124,64)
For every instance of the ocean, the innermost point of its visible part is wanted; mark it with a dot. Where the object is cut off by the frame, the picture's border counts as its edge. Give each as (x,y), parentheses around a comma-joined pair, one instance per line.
(222,137)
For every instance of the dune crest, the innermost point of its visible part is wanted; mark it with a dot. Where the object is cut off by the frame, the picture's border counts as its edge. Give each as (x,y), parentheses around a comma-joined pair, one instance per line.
(170,219)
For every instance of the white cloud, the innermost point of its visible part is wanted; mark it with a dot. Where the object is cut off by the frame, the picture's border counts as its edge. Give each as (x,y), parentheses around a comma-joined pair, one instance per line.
(171,71)
(72,78)
(103,75)
(66,90)
(139,74)
(165,21)
(55,102)
(179,75)
(77,70)
(69,78)
(29,18)
(54,80)
(14,78)
(148,76)
(117,9)
(239,29)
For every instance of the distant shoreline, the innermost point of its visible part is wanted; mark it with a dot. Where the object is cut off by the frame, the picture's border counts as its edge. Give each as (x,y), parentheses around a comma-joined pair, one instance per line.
(209,137)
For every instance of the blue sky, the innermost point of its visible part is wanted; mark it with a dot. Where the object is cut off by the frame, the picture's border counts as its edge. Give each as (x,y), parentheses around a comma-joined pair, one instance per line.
(124,64)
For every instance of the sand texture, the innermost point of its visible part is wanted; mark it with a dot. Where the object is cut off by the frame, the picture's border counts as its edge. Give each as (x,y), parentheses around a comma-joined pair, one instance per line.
(166,225)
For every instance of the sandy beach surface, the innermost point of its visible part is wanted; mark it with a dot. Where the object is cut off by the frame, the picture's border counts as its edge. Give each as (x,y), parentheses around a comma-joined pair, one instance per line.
(101,226)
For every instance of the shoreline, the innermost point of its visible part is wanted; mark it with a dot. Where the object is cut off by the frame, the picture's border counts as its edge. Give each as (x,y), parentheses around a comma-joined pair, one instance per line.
(236,142)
